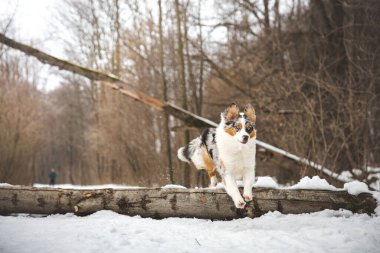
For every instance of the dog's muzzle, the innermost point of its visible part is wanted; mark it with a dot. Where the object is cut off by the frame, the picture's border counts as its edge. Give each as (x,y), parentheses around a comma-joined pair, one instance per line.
(245,139)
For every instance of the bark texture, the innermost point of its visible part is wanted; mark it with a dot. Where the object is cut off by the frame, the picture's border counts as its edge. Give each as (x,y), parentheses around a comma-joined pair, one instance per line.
(191,203)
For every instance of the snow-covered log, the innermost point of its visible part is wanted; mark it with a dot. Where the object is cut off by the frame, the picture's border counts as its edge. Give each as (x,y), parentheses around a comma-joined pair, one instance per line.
(175,202)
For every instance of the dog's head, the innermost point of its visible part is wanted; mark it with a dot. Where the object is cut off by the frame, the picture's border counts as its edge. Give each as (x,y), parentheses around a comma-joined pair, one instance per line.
(240,125)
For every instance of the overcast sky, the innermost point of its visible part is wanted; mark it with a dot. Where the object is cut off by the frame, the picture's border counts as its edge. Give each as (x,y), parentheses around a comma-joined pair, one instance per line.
(32,24)
(31,19)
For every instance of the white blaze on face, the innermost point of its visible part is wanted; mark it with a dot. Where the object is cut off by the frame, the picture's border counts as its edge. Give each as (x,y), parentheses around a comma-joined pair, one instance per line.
(242,136)
(236,128)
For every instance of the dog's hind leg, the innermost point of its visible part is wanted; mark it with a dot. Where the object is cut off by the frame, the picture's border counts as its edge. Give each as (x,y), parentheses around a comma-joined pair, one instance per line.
(210,168)
(213,180)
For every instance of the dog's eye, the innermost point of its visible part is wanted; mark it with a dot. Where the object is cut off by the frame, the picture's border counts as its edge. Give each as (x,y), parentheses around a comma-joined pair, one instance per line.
(249,128)
(230,123)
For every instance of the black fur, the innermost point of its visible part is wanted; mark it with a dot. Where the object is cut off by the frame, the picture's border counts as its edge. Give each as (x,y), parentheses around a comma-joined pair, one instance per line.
(204,135)
(186,152)
(208,139)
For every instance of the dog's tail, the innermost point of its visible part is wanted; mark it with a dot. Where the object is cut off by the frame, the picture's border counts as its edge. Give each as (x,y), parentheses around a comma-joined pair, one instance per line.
(183,154)
(188,152)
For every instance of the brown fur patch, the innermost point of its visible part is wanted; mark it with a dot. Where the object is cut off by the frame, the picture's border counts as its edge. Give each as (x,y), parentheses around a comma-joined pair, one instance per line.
(211,173)
(232,112)
(249,113)
(252,134)
(209,163)
(231,131)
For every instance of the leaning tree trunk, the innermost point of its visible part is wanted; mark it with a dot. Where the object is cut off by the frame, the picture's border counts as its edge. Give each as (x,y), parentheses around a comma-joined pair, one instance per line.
(163,203)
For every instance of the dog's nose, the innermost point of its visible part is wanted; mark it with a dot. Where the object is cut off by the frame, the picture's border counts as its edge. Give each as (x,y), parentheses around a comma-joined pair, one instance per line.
(245,138)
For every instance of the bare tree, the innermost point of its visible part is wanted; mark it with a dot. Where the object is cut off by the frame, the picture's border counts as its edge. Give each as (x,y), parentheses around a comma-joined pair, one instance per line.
(182,83)
(20,121)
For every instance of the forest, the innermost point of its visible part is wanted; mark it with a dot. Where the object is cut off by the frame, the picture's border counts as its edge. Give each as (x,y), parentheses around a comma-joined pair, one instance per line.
(311,69)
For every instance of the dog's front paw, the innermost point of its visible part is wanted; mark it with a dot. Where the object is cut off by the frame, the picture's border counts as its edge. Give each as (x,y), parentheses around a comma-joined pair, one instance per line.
(239,203)
(247,197)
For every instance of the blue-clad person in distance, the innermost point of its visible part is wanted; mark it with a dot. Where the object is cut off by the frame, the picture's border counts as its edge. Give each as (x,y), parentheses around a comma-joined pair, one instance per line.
(52,177)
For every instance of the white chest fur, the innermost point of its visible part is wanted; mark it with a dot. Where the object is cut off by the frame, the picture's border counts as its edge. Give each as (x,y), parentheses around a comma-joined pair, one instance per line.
(235,157)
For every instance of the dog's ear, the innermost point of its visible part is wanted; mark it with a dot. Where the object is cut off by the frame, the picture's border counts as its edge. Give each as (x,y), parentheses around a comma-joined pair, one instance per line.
(231,113)
(249,113)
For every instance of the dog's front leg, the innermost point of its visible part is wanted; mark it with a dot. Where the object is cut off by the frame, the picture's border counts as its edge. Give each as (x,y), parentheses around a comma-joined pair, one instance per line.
(248,180)
(233,190)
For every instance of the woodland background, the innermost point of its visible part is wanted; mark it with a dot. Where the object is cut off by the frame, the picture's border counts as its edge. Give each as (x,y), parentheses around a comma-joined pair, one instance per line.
(310,68)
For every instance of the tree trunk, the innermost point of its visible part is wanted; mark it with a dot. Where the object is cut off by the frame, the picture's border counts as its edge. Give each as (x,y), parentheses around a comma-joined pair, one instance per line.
(199,101)
(266,17)
(166,132)
(191,79)
(162,203)
(182,79)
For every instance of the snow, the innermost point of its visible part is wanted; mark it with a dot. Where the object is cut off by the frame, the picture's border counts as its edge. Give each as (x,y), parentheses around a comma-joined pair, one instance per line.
(106,231)
(173,186)
(5,185)
(373,176)
(266,182)
(376,195)
(346,175)
(305,161)
(355,187)
(315,183)
(88,187)
(219,186)
(103,186)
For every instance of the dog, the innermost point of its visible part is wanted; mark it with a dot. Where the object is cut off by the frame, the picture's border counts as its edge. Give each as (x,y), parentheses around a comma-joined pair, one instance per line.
(230,150)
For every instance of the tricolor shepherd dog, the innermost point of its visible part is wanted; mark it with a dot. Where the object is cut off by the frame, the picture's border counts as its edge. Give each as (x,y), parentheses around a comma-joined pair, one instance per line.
(229,149)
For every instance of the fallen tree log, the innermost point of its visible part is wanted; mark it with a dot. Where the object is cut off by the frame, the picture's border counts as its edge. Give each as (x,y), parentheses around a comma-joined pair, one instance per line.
(173,202)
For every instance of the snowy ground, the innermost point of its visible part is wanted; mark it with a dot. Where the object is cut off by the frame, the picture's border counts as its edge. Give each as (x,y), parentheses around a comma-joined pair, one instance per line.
(106,231)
